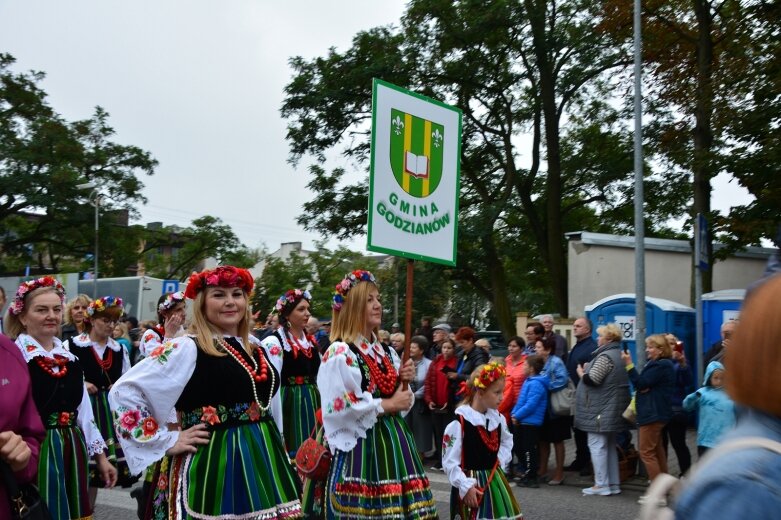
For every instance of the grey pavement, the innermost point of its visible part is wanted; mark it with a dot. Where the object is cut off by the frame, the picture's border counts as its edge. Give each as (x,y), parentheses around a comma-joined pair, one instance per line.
(546,503)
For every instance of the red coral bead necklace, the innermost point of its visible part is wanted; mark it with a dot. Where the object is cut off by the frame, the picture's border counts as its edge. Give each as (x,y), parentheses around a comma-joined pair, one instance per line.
(385,378)
(297,347)
(258,372)
(47,364)
(105,364)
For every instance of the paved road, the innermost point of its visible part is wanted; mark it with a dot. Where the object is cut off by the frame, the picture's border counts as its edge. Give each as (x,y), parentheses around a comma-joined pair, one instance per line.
(545,503)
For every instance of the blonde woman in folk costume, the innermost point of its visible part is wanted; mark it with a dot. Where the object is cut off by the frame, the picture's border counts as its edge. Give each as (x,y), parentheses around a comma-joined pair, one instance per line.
(229,460)
(171,308)
(104,361)
(301,361)
(61,397)
(375,471)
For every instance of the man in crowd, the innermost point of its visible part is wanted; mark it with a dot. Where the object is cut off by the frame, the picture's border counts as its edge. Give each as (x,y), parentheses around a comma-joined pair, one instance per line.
(561,341)
(580,355)
(440,333)
(534,332)
(717,350)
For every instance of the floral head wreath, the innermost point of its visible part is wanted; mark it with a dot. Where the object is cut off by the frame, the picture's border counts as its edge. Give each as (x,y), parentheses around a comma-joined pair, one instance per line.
(105,303)
(170,301)
(25,288)
(222,276)
(288,300)
(490,372)
(348,282)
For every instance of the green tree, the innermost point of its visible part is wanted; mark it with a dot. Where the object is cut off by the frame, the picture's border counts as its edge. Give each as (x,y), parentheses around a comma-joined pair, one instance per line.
(43,158)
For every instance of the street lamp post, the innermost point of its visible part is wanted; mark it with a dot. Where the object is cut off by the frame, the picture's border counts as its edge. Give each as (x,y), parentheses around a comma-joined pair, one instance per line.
(94,198)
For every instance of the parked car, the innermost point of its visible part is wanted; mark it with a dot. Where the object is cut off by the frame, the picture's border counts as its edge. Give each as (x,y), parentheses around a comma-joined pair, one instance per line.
(495,338)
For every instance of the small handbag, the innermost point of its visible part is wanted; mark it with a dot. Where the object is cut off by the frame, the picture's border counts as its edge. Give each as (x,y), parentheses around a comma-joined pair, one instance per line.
(313,459)
(630,414)
(563,401)
(25,500)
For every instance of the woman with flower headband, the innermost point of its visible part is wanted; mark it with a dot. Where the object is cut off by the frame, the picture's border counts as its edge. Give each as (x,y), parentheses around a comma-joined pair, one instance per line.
(170,318)
(301,361)
(60,395)
(104,361)
(477,446)
(229,459)
(375,471)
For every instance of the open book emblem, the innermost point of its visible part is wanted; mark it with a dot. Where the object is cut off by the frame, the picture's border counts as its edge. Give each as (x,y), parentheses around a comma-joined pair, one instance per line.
(416,152)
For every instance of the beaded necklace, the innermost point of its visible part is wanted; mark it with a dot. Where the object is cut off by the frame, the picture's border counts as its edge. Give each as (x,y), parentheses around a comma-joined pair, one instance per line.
(47,364)
(258,372)
(385,377)
(104,364)
(307,352)
(490,439)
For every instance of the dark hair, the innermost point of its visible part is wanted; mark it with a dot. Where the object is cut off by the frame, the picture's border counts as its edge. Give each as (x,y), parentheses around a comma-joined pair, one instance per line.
(421,341)
(2,291)
(466,333)
(518,340)
(133,321)
(538,328)
(536,363)
(548,343)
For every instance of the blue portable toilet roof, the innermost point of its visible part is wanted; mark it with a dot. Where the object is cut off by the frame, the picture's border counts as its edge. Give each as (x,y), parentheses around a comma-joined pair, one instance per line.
(726,295)
(664,305)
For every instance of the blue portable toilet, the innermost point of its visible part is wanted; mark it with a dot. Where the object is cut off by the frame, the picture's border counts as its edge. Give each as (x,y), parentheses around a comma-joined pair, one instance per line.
(661,316)
(719,307)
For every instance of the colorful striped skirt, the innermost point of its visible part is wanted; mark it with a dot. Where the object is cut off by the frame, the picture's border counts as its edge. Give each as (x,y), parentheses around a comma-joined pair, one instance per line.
(62,474)
(498,500)
(242,473)
(299,404)
(382,477)
(104,419)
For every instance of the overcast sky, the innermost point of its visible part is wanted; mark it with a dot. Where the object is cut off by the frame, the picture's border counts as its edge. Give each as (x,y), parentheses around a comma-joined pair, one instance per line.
(198,83)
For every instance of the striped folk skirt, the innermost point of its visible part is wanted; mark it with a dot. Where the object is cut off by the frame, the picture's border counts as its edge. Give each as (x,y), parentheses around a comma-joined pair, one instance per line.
(382,477)
(62,474)
(498,500)
(242,473)
(104,419)
(299,404)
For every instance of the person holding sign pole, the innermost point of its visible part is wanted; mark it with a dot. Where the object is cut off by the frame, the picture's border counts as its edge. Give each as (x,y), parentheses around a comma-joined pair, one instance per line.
(376,471)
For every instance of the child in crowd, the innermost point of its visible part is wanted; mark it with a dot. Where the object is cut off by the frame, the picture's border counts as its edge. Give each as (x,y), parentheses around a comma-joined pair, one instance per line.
(716,409)
(528,415)
(476,447)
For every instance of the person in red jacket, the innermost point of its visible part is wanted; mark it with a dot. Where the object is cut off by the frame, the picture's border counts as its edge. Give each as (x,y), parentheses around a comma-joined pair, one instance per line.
(438,395)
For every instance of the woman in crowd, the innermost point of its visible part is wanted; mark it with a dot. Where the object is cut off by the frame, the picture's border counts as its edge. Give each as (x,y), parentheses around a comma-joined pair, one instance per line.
(746,483)
(601,398)
(75,312)
(171,309)
(438,395)
(300,398)
(397,342)
(514,366)
(653,394)
(375,471)
(471,355)
(675,431)
(229,459)
(419,418)
(21,431)
(121,336)
(103,361)
(61,398)
(555,429)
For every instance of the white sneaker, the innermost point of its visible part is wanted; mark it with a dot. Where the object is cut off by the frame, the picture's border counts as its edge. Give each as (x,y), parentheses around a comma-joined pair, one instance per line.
(615,490)
(601,491)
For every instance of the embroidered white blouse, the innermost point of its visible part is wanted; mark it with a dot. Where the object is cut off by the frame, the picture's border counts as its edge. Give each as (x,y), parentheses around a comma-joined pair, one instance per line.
(150,340)
(85,419)
(348,411)
(452,442)
(151,389)
(83,340)
(271,340)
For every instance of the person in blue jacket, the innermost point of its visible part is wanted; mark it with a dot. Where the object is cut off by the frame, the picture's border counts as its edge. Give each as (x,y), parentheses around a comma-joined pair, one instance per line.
(527,416)
(716,409)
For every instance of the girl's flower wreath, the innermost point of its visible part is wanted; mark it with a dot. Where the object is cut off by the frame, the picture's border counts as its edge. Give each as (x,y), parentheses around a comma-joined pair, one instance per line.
(287,302)
(348,282)
(222,276)
(25,288)
(104,303)
(170,301)
(490,372)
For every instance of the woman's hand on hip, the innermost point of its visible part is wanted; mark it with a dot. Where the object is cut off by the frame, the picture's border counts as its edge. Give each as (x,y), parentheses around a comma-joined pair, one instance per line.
(189,440)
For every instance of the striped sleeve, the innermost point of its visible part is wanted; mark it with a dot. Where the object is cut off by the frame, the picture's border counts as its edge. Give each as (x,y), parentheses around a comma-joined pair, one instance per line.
(598,371)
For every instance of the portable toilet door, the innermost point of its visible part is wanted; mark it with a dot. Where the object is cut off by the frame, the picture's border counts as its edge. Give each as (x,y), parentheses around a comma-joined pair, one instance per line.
(719,307)
(661,316)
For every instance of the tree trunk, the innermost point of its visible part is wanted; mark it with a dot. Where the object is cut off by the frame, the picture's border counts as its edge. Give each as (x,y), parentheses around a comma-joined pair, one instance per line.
(500,297)
(702,166)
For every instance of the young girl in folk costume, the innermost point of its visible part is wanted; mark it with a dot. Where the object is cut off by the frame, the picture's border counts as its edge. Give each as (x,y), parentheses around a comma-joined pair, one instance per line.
(104,361)
(375,471)
(170,318)
(301,361)
(476,447)
(228,461)
(61,397)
